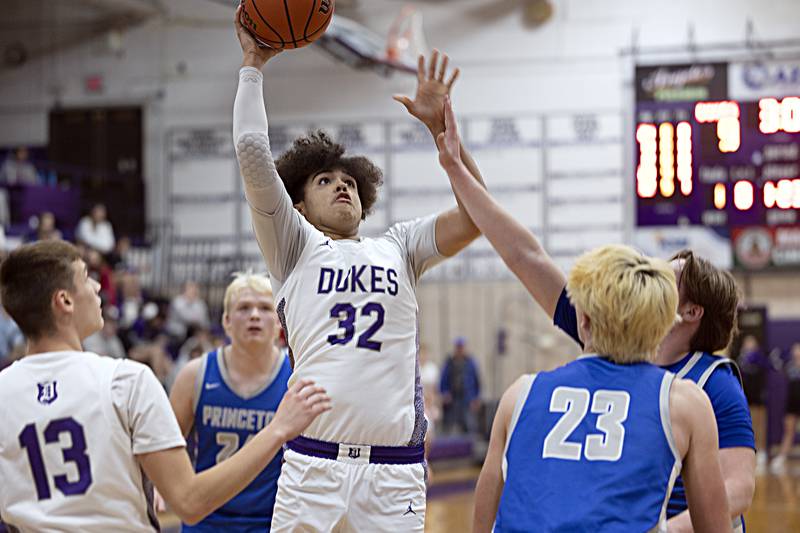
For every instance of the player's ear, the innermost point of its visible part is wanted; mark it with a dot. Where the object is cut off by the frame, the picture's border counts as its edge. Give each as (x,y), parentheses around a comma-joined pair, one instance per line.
(692,313)
(301,207)
(62,300)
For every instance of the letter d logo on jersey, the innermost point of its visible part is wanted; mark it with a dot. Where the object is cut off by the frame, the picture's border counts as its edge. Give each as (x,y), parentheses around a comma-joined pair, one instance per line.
(47,392)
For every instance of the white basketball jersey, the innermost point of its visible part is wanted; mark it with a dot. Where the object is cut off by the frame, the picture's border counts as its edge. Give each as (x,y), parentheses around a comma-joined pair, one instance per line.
(349,309)
(73,422)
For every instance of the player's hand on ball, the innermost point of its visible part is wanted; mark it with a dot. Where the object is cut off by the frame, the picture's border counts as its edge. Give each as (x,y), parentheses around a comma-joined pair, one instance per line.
(448,142)
(431,90)
(254,55)
(301,404)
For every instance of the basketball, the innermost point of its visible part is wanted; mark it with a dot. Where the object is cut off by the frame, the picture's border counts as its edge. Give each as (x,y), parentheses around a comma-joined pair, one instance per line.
(286,23)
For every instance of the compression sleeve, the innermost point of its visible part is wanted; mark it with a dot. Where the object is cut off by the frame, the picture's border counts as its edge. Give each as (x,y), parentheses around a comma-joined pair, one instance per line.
(280,230)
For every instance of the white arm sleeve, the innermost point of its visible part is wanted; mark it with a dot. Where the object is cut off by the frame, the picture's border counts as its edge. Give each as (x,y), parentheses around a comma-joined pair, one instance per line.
(279,228)
(418,239)
(144,410)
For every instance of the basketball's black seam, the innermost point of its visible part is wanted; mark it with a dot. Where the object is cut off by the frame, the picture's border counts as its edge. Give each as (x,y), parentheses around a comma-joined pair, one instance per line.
(324,24)
(308,22)
(289,20)
(255,6)
(295,42)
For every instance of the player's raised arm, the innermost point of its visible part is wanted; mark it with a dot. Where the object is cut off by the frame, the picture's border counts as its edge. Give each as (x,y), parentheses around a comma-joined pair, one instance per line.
(193,496)
(695,431)
(518,247)
(277,225)
(454,229)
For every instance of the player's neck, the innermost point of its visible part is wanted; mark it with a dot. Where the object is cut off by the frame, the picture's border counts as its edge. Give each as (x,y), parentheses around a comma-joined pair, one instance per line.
(55,343)
(250,360)
(672,349)
(340,236)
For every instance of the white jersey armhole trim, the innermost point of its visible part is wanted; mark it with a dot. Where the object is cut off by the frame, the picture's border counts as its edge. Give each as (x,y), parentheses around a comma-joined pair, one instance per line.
(521,399)
(689,365)
(666,424)
(713,366)
(198,382)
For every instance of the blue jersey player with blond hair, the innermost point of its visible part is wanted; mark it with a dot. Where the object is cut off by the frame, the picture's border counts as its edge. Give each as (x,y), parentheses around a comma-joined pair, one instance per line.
(226,396)
(597,444)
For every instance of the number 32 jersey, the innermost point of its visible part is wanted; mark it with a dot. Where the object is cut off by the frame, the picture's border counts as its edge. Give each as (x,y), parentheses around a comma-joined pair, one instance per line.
(72,425)
(590,449)
(349,310)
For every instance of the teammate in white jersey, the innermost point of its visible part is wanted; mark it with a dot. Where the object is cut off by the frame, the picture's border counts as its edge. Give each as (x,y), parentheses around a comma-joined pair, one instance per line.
(83,433)
(349,311)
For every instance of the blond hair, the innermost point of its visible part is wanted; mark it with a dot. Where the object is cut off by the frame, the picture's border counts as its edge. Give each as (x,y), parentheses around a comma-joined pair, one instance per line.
(631,301)
(245,280)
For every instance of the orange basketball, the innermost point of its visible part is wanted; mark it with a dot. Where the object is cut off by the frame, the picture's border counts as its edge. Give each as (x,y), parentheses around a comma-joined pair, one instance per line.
(286,23)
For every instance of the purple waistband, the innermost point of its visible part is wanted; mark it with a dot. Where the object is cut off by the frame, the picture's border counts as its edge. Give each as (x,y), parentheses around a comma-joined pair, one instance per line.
(387,455)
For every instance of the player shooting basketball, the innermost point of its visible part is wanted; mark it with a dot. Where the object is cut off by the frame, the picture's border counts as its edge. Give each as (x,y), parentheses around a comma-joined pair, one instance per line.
(349,310)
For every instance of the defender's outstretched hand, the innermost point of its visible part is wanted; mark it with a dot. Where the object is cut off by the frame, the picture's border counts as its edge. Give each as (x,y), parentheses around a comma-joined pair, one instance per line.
(448,142)
(253,54)
(431,90)
(301,404)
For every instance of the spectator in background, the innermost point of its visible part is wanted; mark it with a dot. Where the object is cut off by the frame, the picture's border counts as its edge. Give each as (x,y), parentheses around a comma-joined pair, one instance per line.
(130,298)
(187,309)
(778,465)
(17,169)
(460,386)
(106,341)
(45,228)
(753,364)
(12,341)
(149,342)
(118,258)
(95,231)
(102,273)
(199,342)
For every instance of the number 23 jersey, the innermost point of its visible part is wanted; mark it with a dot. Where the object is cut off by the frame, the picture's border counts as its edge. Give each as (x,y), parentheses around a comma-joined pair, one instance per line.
(349,310)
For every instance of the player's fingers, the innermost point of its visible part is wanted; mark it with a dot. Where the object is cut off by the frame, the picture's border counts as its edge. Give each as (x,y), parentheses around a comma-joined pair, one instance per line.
(299,385)
(320,407)
(421,68)
(432,64)
(405,100)
(309,391)
(453,78)
(320,396)
(443,67)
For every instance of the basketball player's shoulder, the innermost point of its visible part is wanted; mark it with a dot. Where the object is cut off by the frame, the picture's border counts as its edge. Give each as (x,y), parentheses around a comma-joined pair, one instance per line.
(686,397)
(400,232)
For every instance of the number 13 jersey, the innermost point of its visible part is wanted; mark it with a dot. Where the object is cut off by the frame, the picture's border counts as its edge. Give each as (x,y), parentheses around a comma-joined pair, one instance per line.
(590,449)
(349,311)
(73,423)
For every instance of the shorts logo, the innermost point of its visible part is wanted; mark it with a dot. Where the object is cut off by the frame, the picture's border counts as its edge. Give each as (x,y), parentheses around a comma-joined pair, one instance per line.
(354,453)
(47,392)
(409,510)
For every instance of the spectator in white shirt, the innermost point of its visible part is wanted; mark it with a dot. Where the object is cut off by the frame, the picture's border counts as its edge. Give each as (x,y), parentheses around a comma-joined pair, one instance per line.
(187,309)
(95,230)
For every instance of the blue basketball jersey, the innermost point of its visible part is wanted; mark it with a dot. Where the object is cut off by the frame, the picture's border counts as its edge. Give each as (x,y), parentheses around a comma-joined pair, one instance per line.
(224,421)
(590,449)
(698,367)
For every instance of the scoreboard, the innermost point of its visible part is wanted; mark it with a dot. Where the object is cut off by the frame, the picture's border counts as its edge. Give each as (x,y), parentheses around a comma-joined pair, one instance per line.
(717,145)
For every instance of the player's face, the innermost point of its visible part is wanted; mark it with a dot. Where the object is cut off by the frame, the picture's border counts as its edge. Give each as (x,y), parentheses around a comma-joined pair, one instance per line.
(331,202)
(88,316)
(251,318)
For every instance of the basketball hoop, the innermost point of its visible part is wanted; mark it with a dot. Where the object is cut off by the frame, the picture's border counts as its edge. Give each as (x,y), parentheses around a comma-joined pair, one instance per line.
(406,39)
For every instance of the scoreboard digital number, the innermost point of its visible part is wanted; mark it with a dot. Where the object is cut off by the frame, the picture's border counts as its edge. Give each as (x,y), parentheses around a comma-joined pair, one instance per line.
(706,157)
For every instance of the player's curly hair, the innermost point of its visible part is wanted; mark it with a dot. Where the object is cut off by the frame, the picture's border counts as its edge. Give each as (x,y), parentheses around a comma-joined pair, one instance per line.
(317,152)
